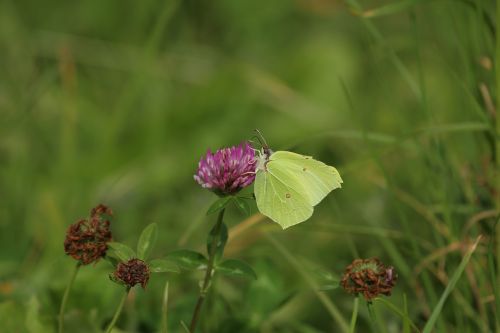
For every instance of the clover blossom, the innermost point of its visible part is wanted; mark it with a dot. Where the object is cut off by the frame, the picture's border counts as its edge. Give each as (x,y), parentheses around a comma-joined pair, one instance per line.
(228,170)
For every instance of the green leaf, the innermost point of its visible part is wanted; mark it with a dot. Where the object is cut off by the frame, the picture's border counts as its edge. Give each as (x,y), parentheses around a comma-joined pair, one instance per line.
(112,258)
(221,243)
(330,286)
(112,277)
(219,204)
(234,267)
(163,265)
(187,259)
(146,241)
(243,205)
(122,251)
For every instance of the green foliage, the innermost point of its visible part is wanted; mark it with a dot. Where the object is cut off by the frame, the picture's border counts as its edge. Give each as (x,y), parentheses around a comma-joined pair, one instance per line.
(114,102)
(234,267)
(147,241)
(122,251)
(243,205)
(221,240)
(429,326)
(219,204)
(162,266)
(188,259)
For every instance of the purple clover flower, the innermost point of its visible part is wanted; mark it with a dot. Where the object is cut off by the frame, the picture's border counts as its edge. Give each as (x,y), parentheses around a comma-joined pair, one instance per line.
(228,170)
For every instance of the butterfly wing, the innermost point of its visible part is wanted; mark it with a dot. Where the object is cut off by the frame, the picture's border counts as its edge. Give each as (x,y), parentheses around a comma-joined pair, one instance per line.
(284,204)
(314,178)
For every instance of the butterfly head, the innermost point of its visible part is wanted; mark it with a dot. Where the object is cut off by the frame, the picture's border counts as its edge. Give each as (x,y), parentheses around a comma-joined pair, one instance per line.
(262,158)
(263,144)
(264,153)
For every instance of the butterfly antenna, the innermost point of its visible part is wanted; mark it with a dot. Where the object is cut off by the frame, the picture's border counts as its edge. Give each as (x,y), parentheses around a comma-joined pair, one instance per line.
(263,143)
(261,139)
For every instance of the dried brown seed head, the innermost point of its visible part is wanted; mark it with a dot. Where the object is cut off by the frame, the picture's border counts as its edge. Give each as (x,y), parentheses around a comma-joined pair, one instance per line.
(132,272)
(86,240)
(369,277)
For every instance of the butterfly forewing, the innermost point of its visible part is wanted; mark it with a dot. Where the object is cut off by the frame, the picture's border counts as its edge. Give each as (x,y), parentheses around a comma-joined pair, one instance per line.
(313,178)
(279,201)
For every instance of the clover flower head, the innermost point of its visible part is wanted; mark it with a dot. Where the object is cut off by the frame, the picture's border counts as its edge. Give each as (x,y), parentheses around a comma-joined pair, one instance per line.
(86,240)
(132,272)
(369,277)
(228,170)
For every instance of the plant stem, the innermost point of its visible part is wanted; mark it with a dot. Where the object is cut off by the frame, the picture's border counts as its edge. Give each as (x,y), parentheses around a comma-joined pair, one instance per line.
(208,273)
(354,317)
(118,311)
(164,308)
(373,317)
(65,296)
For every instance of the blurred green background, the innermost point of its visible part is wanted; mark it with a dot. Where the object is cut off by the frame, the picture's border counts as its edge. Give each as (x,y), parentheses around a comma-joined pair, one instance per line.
(115,102)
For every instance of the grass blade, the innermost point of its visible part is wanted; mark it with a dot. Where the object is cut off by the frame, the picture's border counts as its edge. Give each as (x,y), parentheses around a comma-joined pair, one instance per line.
(328,304)
(429,326)
(391,8)
(404,315)
(406,318)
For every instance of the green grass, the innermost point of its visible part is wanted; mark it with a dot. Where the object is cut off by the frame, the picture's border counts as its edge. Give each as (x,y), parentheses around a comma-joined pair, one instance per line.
(116,101)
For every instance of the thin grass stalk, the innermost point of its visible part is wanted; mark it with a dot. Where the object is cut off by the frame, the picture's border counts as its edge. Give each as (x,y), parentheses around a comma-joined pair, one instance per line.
(66,296)
(327,303)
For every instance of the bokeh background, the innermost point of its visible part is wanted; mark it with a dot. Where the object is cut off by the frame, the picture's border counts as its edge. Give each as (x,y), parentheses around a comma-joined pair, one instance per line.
(115,102)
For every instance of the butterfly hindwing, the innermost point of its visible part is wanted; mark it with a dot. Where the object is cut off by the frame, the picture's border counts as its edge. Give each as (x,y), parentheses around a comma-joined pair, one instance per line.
(281,202)
(316,179)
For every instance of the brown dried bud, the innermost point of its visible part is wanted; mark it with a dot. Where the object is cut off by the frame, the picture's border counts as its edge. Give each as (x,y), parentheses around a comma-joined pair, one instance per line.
(101,210)
(132,272)
(86,240)
(369,277)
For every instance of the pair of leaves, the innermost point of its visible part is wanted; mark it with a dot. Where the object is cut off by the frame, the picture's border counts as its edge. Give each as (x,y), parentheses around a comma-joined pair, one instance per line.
(192,260)
(145,245)
(221,203)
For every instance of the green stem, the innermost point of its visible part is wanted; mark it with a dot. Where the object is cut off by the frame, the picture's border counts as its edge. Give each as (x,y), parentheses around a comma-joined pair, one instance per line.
(118,311)
(354,317)
(65,296)
(164,308)
(208,273)
(373,316)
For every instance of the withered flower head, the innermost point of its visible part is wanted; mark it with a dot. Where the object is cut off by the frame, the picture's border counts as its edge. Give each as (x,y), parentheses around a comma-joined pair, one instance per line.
(369,277)
(86,240)
(132,272)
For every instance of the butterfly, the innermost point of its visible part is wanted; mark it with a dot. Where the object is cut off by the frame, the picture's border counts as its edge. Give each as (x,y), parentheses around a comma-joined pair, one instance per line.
(288,185)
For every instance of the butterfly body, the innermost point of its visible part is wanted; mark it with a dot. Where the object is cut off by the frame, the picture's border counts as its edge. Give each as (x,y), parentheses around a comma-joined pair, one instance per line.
(289,185)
